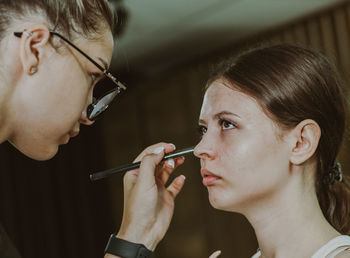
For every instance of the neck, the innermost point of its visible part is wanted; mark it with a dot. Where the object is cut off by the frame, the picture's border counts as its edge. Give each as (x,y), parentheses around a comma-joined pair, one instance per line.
(291,223)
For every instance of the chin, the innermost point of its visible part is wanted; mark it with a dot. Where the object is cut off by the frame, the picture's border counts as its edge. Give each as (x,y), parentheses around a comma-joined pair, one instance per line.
(222,202)
(39,153)
(218,206)
(217,203)
(223,206)
(42,155)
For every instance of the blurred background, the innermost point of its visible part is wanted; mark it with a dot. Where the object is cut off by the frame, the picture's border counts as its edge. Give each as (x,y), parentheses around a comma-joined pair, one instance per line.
(164,53)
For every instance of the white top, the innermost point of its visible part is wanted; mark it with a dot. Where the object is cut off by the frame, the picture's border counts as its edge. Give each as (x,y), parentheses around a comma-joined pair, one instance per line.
(329,250)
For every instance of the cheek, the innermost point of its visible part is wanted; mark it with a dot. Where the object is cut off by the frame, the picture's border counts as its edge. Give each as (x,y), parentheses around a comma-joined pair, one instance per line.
(71,97)
(255,154)
(72,82)
(253,168)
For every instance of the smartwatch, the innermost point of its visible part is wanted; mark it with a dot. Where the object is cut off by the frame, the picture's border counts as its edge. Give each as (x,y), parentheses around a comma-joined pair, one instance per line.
(126,249)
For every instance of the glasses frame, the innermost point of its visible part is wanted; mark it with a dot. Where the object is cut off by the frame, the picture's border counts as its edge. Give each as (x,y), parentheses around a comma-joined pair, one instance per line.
(118,84)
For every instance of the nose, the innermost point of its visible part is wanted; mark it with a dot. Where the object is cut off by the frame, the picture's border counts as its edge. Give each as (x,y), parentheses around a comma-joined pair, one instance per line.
(205,148)
(84,119)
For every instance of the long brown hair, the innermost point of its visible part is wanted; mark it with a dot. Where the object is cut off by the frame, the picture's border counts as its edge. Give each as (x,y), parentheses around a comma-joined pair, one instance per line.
(293,84)
(84,17)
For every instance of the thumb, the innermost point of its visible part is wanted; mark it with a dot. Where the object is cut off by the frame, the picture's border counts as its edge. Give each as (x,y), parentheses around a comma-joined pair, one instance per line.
(148,166)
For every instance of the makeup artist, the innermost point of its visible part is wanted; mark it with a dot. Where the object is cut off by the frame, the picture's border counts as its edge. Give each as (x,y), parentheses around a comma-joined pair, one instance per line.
(52,54)
(271,124)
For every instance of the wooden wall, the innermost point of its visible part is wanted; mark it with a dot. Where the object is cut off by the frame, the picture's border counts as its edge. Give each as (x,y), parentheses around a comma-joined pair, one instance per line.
(166,108)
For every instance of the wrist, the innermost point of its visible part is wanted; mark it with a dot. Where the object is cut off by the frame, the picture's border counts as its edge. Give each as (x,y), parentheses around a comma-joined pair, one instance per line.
(140,238)
(118,247)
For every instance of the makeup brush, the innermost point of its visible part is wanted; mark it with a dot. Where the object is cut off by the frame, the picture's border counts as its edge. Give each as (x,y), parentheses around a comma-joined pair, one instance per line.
(106,173)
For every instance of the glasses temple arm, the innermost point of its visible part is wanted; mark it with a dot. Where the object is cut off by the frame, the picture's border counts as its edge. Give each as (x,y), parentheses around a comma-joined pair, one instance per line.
(108,74)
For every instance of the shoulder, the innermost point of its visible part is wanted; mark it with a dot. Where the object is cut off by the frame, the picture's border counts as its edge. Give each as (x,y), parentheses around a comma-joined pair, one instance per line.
(344,254)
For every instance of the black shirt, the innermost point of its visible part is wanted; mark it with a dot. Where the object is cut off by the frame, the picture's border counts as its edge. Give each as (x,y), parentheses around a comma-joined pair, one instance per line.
(7,250)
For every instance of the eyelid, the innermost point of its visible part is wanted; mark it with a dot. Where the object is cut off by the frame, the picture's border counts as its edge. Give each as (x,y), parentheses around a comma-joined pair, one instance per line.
(223,120)
(96,76)
(200,129)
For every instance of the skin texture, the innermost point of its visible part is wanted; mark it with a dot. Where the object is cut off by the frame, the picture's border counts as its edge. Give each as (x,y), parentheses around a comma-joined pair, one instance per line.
(42,110)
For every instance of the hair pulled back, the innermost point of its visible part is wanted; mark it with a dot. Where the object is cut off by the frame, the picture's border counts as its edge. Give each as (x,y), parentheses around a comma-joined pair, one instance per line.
(293,84)
(85,17)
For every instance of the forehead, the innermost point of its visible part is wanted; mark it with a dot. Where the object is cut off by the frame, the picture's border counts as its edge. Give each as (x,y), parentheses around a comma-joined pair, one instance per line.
(101,47)
(220,97)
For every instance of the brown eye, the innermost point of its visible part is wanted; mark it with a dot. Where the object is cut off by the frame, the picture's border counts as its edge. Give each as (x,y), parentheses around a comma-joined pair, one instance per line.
(226,125)
(201,130)
(94,77)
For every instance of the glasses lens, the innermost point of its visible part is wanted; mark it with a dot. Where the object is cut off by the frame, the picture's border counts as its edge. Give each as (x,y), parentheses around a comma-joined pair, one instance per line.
(101,104)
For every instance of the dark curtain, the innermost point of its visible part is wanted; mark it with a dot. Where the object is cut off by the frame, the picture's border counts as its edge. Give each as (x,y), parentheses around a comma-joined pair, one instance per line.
(50,208)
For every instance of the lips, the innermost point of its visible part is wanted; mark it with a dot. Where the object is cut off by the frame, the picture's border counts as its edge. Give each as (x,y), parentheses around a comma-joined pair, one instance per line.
(209,178)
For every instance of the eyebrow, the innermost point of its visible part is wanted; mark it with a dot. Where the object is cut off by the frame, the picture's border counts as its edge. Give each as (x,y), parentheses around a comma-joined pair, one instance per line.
(218,115)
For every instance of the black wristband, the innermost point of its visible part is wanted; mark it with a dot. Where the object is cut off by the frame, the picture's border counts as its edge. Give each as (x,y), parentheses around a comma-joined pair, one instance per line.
(126,249)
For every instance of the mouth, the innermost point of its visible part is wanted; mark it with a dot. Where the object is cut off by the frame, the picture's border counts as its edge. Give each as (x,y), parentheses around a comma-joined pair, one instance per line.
(209,178)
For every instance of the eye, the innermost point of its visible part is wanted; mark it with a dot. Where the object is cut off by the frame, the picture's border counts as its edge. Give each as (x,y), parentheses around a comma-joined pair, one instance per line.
(94,77)
(226,125)
(201,130)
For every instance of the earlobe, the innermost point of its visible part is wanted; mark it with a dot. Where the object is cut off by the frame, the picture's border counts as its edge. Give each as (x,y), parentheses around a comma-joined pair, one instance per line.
(33,42)
(306,137)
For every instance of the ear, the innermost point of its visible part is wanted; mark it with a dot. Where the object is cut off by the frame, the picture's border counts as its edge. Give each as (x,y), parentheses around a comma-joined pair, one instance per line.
(33,42)
(305,139)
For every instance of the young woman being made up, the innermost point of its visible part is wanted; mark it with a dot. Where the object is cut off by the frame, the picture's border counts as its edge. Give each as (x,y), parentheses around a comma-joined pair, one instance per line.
(272,122)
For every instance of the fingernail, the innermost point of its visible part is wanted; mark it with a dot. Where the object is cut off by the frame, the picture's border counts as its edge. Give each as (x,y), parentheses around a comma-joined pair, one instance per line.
(183,177)
(173,146)
(216,254)
(158,150)
(171,163)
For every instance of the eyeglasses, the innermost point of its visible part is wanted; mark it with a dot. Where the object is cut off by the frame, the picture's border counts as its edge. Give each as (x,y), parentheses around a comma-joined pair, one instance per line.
(98,105)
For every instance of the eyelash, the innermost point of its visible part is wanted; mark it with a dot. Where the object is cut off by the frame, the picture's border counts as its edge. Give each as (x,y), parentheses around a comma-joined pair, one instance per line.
(201,130)
(222,122)
(95,77)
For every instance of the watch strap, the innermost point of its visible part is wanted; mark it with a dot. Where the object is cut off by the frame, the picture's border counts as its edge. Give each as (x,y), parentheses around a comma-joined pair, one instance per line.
(126,249)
